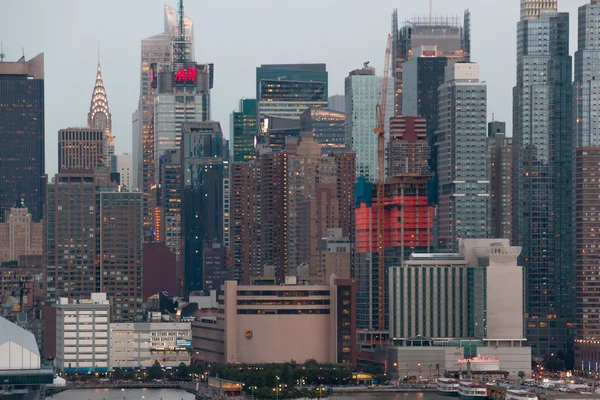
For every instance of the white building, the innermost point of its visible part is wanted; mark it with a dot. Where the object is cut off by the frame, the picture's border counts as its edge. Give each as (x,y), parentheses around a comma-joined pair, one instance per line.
(82,334)
(123,164)
(137,345)
(18,348)
(476,293)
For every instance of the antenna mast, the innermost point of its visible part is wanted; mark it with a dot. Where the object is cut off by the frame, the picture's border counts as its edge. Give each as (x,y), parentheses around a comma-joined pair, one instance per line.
(430,11)
(1,52)
(180,55)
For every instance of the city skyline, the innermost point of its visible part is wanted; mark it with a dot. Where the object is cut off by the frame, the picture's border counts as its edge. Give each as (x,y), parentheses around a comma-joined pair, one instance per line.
(235,58)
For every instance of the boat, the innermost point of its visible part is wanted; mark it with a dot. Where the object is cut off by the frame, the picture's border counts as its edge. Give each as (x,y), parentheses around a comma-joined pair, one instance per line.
(447,386)
(472,390)
(520,394)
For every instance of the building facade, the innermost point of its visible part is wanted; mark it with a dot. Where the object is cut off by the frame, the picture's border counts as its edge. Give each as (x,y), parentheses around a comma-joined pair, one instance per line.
(327,126)
(543,148)
(22,135)
(500,156)
(450,36)
(20,236)
(83,334)
(337,102)
(362,94)
(287,90)
(408,152)
(463,186)
(137,345)
(260,324)
(244,129)
(204,167)
(122,164)
(81,148)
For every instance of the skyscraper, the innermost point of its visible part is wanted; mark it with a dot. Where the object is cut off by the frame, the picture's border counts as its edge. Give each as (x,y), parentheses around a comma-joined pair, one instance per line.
(22,135)
(542,169)
(99,117)
(204,166)
(286,90)
(170,199)
(500,155)
(81,148)
(155,50)
(19,236)
(94,241)
(464,188)
(123,165)
(243,131)
(451,39)
(587,183)
(327,126)
(363,93)
(408,152)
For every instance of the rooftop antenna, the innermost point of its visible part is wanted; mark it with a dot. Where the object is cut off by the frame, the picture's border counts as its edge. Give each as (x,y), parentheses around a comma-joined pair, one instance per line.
(430,11)
(180,56)
(1,52)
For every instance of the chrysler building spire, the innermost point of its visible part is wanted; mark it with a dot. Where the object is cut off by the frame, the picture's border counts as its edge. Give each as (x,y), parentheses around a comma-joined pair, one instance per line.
(99,116)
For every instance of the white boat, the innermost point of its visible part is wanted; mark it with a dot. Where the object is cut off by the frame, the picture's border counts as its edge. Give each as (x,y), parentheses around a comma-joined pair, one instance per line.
(520,394)
(472,390)
(447,386)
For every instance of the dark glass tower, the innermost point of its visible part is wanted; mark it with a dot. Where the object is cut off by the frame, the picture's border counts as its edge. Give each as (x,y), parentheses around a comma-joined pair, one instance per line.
(543,181)
(204,157)
(22,135)
(243,131)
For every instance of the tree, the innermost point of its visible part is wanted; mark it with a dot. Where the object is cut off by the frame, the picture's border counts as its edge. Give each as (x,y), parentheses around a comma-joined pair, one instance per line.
(155,371)
(118,373)
(182,370)
(521,374)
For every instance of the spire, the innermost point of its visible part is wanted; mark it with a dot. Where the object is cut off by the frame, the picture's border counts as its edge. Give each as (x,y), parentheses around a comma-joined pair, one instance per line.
(99,115)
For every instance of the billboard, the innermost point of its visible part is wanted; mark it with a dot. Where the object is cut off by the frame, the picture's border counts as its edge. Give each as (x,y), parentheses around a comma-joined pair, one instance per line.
(183,343)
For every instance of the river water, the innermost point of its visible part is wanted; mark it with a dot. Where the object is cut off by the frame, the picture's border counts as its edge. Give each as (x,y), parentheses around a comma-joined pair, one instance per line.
(171,394)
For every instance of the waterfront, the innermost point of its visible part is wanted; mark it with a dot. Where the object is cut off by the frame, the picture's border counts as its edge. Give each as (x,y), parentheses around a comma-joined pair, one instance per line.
(127,394)
(173,394)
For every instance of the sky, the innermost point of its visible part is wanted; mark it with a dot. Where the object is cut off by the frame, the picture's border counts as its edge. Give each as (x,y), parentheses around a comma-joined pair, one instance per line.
(237,36)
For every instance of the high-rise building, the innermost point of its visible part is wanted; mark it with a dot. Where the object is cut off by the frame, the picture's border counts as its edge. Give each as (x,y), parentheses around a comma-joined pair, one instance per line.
(119,227)
(363,93)
(22,135)
(327,126)
(587,175)
(122,164)
(94,241)
(450,37)
(286,90)
(408,228)
(99,116)
(81,148)
(543,147)
(204,167)
(408,152)
(500,157)
(170,200)
(243,131)
(155,50)
(336,256)
(464,189)
(337,102)
(20,236)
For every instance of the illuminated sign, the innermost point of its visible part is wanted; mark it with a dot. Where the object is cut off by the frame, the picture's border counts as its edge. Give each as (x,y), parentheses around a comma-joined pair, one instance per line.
(185,74)
(183,343)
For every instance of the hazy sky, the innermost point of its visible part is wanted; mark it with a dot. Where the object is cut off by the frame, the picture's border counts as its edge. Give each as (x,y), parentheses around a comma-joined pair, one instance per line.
(237,36)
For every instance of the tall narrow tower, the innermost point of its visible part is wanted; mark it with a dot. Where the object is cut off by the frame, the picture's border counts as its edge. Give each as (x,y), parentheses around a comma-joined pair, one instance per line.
(99,116)
(543,172)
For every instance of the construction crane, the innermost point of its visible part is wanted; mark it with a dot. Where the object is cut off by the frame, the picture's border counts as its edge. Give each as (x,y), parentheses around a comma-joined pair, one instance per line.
(380,132)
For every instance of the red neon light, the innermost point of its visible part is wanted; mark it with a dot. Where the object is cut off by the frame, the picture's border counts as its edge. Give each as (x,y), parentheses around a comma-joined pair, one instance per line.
(185,75)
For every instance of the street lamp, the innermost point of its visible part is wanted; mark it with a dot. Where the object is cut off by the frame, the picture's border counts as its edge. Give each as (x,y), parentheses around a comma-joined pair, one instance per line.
(397,370)
(419,364)
(320,389)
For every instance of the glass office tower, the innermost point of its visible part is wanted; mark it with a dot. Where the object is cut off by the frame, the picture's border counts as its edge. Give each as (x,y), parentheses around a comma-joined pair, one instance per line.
(543,172)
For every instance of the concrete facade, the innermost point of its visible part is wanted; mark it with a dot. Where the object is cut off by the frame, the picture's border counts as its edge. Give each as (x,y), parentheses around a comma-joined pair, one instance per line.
(138,345)
(19,236)
(82,334)
(259,324)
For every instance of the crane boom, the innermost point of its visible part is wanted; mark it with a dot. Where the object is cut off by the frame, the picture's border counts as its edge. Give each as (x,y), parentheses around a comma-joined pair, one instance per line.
(380,132)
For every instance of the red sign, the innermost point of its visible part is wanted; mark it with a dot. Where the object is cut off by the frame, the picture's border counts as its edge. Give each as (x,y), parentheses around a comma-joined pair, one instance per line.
(185,75)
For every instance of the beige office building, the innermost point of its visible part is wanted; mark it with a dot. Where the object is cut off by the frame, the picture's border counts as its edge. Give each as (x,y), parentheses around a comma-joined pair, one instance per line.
(259,324)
